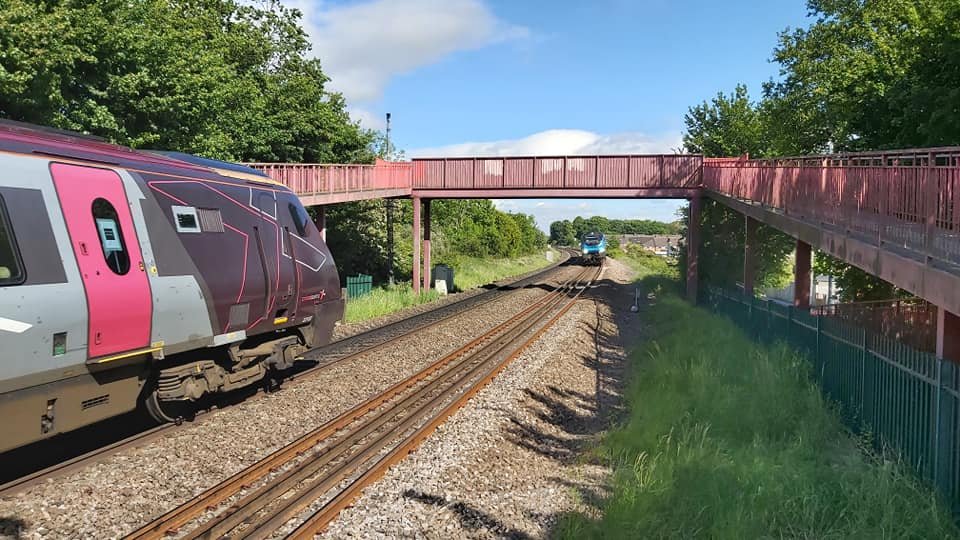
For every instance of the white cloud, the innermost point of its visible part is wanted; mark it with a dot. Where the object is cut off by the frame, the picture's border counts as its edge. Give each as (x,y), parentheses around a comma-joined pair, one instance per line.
(560,142)
(367,118)
(363,45)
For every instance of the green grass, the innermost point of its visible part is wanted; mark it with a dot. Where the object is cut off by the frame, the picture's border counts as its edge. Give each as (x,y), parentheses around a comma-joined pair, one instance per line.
(383,300)
(728,439)
(468,274)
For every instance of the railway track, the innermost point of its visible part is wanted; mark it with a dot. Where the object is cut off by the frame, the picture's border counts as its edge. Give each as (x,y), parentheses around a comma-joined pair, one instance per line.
(308,482)
(338,352)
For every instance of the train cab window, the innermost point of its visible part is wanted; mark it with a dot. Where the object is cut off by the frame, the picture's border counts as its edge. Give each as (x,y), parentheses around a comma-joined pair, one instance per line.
(111,237)
(300,219)
(11,268)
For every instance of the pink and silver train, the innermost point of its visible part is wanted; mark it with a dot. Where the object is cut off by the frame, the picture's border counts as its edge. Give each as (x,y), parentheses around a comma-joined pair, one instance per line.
(132,278)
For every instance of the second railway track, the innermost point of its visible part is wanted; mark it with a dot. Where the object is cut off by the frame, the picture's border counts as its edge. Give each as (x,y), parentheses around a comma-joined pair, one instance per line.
(300,488)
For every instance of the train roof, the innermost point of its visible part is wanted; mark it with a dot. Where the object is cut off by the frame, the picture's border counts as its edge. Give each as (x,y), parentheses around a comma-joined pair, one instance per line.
(211,163)
(38,140)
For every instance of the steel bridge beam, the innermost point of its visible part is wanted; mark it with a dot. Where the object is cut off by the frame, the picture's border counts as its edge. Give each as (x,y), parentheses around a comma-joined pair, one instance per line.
(416,245)
(802,275)
(749,254)
(426,245)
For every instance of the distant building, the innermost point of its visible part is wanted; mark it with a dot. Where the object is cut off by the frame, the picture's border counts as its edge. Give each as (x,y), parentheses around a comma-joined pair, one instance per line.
(664,245)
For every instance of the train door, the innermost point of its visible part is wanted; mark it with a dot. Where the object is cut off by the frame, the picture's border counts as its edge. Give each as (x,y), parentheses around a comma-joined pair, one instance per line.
(277,259)
(103,238)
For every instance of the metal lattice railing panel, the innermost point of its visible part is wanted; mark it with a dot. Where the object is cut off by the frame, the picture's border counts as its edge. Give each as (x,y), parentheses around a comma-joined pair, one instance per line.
(904,400)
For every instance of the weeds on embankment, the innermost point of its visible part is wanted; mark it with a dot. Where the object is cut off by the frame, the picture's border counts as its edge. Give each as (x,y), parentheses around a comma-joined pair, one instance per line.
(729,439)
(469,273)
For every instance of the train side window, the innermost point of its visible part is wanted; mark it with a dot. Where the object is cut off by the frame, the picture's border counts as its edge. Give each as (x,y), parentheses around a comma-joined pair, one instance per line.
(11,267)
(300,219)
(111,237)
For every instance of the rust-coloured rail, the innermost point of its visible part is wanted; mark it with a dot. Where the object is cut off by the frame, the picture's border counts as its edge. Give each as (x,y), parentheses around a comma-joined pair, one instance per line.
(319,520)
(244,513)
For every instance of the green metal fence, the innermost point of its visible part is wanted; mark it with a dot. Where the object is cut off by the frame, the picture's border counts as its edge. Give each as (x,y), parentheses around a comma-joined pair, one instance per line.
(902,399)
(359,285)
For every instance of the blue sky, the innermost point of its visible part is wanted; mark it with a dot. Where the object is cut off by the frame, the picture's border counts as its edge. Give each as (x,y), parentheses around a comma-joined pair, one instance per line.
(490,77)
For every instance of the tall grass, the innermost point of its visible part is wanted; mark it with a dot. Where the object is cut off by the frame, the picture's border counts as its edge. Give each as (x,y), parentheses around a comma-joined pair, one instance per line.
(384,300)
(469,273)
(728,439)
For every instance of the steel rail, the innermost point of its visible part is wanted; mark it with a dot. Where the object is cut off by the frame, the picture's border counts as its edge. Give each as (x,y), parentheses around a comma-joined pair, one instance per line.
(226,489)
(319,520)
(473,366)
(422,321)
(240,512)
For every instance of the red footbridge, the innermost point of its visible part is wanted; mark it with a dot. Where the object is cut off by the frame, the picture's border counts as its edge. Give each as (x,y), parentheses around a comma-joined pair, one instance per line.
(894,214)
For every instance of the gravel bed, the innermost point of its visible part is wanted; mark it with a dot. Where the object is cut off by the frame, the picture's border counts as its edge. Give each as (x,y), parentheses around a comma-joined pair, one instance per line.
(116,496)
(511,462)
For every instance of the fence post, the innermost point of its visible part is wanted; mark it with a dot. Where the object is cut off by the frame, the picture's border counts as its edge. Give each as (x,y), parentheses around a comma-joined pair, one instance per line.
(944,432)
(816,354)
(863,370)
(790,326)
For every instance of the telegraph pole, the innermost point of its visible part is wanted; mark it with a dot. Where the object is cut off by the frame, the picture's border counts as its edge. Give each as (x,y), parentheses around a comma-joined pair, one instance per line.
(387,156)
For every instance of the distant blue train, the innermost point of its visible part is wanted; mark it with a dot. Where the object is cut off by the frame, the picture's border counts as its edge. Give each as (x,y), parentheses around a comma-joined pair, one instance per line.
(593,248)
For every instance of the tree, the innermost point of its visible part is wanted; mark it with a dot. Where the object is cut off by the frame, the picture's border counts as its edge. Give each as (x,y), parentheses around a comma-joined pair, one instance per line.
(854,284)
(561,233)
(726,126)
(731,126)
(868,75)
(721,250)
(218,78)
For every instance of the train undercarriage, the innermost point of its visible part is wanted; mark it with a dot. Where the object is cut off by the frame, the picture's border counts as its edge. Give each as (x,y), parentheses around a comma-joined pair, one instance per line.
(178,385)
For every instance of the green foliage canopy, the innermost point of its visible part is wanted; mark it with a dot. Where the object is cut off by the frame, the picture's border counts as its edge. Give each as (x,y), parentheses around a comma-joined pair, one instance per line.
(568,233)
(218,78)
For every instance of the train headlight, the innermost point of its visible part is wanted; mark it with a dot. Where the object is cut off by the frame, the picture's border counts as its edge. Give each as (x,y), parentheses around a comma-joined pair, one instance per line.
(584,251)
(603,249)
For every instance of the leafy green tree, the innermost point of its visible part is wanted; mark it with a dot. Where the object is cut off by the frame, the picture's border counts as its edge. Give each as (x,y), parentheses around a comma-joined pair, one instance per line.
(562,234)
(732,125)
(725,126)
(854,284)
(721,262)
(218,78)
(569,233)
(868,75)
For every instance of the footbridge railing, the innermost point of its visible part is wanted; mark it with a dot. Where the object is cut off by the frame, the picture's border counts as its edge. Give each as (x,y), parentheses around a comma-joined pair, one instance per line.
(908,199)
(326,182)
(627,172)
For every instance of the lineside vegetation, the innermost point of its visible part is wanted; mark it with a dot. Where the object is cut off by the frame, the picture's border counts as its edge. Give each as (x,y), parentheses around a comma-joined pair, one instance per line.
(725,438)
(469,273)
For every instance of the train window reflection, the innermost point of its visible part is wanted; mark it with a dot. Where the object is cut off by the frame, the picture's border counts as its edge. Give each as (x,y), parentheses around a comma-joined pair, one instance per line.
(299,219)
(111,237)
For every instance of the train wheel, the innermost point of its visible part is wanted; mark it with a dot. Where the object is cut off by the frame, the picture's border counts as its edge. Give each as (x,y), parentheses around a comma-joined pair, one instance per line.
(167,411)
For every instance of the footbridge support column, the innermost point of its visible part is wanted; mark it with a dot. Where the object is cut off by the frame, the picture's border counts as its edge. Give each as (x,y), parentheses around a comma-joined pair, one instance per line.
(801,276)
(320,220)
(426,244)
(693,247)
(749,255)
(416,245)
(948,335)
